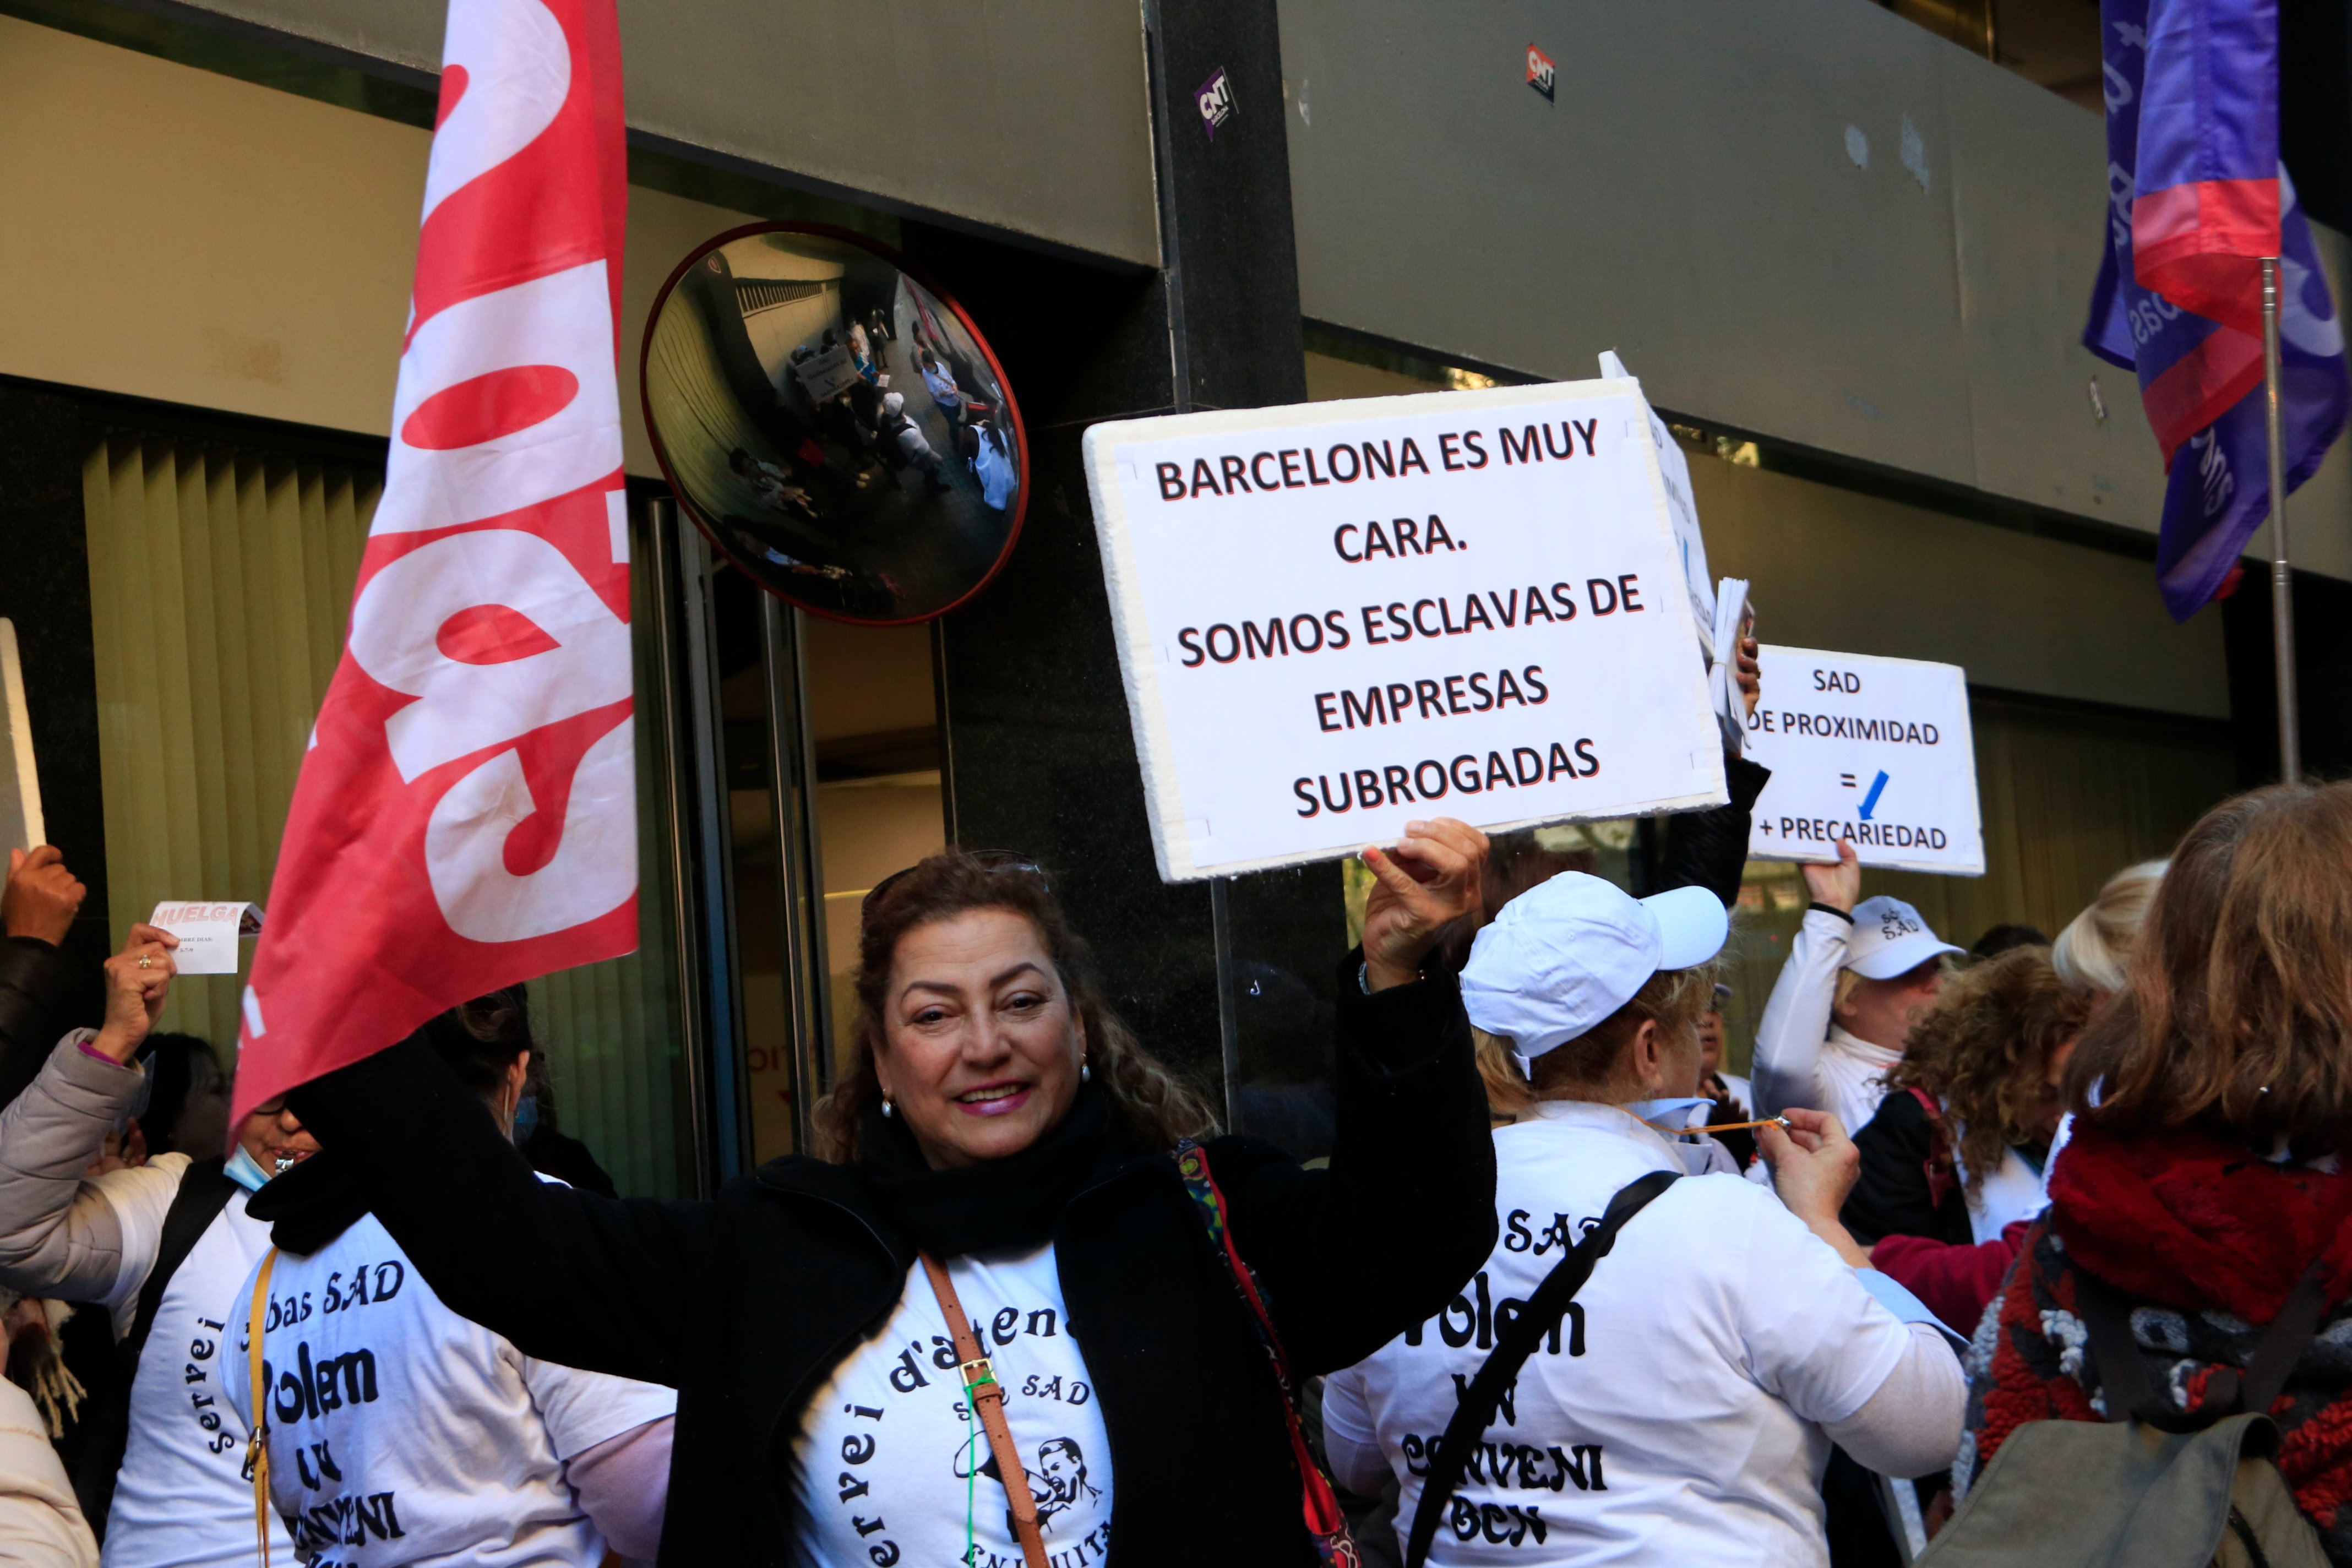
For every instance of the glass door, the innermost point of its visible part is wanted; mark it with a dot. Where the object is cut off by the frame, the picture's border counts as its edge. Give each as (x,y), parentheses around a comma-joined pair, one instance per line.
(818,769)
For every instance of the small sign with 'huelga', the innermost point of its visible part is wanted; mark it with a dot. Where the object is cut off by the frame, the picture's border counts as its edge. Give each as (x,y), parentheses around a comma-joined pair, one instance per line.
(208,933)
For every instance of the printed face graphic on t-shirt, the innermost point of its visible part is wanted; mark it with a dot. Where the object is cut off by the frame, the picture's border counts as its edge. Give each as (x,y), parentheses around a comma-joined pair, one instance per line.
(1063,1466)
(897,1464)
(1056,1478)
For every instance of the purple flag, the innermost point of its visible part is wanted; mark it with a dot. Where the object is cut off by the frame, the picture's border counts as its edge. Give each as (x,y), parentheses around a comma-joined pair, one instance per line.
(2169,83)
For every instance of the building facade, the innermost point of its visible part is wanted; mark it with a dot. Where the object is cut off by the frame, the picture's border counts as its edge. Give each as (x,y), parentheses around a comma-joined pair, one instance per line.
(1847,254)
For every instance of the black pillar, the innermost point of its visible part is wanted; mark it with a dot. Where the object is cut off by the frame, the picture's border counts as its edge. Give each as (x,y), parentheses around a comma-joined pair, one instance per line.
(1043,758)
(2323,673)
(45,590)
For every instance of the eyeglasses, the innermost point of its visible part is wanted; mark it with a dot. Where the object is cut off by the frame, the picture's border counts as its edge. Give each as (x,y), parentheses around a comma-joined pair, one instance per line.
(991,861)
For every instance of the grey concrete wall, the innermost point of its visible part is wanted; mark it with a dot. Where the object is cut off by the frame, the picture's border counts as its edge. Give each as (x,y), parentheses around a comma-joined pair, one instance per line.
(2023,614)
(1688,199)
(1029,118)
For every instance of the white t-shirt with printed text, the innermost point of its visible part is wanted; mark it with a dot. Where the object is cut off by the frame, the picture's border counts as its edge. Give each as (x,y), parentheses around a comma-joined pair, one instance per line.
(179,1498)
(893,1463)
(403,1434)
(1675,1415)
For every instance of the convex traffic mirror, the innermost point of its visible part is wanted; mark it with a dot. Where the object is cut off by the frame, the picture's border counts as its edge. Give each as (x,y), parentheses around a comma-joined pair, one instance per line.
(837,428)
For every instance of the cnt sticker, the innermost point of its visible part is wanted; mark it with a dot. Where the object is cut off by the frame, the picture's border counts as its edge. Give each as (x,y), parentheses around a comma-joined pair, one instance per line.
(1216,99)
(1541,73)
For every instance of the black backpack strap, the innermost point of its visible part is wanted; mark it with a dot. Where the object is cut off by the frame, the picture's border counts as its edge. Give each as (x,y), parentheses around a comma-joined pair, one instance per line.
(2131,1393)
(205,1190)
(2284,1342)
(1515,1341)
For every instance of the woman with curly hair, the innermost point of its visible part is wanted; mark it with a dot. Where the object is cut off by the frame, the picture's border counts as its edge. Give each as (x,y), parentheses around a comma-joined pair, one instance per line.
(1957,1151)
(993,1317)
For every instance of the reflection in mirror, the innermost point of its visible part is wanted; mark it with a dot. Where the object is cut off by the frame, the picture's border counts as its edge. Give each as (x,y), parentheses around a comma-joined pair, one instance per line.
(838,429)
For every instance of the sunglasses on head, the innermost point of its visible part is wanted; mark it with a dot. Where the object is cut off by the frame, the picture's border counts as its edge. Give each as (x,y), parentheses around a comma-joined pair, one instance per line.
(989,860)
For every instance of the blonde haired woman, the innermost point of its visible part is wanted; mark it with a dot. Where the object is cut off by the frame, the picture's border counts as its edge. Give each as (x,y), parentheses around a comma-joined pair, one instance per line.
(2094,950)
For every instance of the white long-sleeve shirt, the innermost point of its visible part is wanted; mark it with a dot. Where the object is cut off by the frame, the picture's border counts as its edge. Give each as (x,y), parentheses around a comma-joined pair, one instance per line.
(1801,1058)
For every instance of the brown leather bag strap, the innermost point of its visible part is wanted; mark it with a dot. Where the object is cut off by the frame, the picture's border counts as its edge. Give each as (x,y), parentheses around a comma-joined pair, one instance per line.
(987,1396)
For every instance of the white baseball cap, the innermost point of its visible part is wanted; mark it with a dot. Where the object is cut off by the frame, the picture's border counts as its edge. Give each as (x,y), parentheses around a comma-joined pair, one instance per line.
(1569,951)
(1890,938)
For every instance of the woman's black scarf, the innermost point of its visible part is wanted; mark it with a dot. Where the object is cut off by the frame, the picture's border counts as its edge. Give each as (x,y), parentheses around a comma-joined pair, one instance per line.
(1010,1203)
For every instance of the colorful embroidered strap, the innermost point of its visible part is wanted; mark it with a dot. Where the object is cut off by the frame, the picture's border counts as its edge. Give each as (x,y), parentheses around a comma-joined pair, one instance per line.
(1325,1523)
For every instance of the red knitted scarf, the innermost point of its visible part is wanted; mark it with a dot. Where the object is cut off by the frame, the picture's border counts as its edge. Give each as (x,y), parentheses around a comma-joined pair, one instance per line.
(2189,1221)
(2194,1222)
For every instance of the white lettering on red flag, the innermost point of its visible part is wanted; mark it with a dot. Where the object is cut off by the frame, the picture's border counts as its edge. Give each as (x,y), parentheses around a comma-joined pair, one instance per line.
(465,816)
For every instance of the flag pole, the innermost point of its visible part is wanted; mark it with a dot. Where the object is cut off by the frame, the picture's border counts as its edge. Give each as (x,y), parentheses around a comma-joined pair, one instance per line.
(2281,575)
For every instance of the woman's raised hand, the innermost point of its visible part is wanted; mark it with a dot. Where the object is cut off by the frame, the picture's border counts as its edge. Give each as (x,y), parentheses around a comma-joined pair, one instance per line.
(1838,886)
(138,980)
(1430,878)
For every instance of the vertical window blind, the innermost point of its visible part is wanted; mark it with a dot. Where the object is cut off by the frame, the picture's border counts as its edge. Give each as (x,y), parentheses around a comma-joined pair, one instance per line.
(221,578)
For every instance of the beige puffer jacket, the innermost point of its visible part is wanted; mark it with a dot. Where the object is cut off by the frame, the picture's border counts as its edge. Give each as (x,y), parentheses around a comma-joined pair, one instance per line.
(59,1236)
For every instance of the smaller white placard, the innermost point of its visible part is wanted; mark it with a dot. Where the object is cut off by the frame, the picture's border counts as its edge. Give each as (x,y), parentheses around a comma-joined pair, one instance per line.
(825,374)
(208,933)
(1875,751)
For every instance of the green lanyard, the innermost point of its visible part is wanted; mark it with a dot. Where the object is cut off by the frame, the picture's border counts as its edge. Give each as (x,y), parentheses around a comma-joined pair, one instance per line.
(972,1440)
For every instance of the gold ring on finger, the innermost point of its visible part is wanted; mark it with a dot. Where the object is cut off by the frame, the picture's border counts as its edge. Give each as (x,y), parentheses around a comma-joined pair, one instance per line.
(146,961)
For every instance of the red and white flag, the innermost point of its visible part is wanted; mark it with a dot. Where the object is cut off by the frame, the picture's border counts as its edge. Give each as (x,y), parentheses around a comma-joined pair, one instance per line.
(466,817)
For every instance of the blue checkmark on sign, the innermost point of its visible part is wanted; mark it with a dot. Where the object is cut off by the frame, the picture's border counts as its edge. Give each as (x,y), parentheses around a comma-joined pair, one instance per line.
(1869,800)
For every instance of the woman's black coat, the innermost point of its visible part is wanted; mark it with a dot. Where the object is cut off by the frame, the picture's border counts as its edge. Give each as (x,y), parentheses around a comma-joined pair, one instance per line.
(747,1303)
(1895,1194)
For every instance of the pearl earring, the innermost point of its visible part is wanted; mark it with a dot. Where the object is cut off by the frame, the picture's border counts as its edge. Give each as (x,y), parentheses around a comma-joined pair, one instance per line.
(1086,1073)
(888,1108)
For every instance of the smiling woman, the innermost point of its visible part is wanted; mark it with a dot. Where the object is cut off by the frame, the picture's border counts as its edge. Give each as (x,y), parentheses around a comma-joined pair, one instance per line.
(1008,1299)
(980,1015)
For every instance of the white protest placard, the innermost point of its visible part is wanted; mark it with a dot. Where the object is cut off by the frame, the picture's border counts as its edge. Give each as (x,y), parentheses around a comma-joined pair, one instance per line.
(208,933)
(824,375)
(1876,752)
(1334,618)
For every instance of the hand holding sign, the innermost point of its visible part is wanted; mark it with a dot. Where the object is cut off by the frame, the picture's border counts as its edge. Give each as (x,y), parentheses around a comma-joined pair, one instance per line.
(1839,886)
(137,982)
(1431,878)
